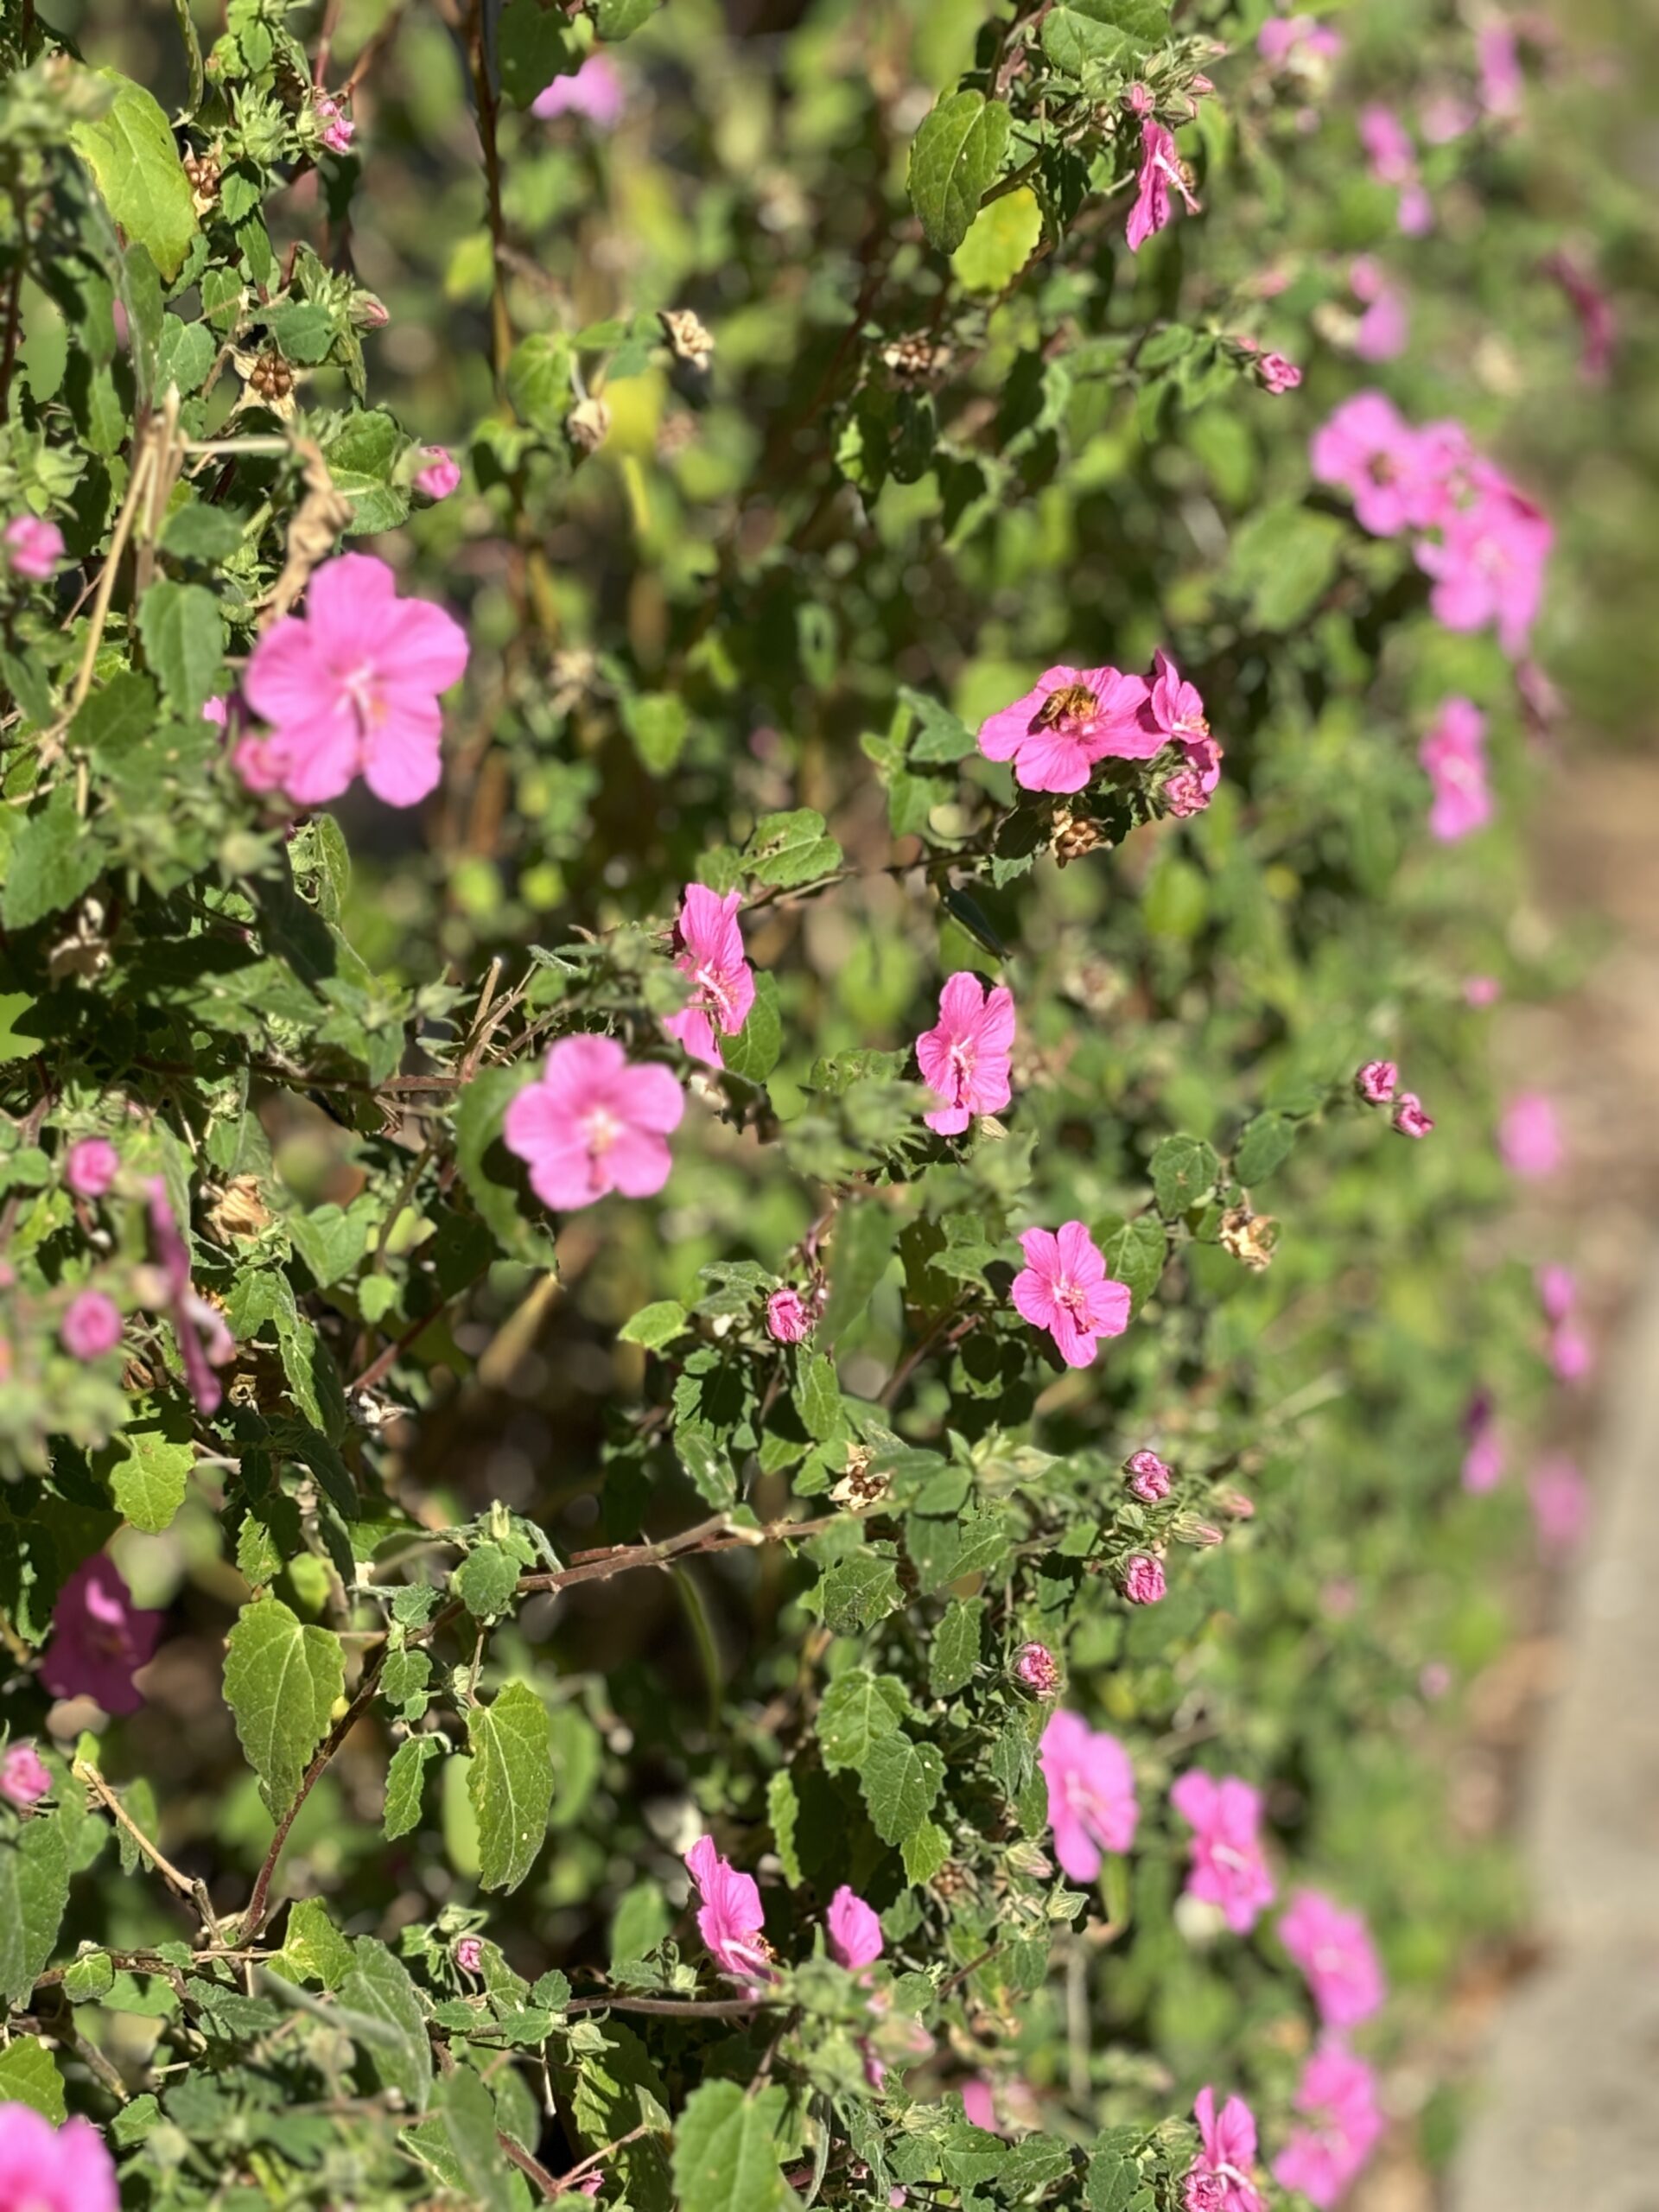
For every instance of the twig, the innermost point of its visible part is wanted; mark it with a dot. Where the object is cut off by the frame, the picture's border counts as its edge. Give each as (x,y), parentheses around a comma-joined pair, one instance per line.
(84,1771)
(597,2157)
(258,1908)
(682,2008)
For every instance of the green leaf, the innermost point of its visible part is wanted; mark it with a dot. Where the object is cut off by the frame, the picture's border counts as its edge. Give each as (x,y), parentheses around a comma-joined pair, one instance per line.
(90,1978)
(385,2019)
(753,1053)
(788,849)
(864,1240)
(485,1581)
(1183,1171)
(857,1592)
(924,1853)
(469,2116)
(536,45)
(510,1783)
(538,381)
(818,1396)
(34,1890)
(313,1948)
(1077,32)
(659,722)
(362,460)
(1112,2180)
(200,533)
(131,153)
(304,330)
(616,19)
(282,1677)
(1003,239)
(184,642)
(1263,1145)
(956,1647)
(405,1777)
(900,1781)
(656,1324)
(1134,1252)
(954,161)
(51,862)
(29,2076)
(1282,560)
(491,1175)
(858,1709)
(784,1811)
(726,2149)
(149,1476)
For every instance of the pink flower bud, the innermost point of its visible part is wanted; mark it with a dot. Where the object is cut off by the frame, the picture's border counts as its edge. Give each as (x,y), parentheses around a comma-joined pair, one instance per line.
(1143,1579)
(1184,794)
(787,1318)
(32,548)
(23,1780)
(1278,374)
(1202,1533)
(92,1325)
(334,125)
(1149,1478)
(1482,991)
(1235,1504)
(1409,1117)
(468,1952)
(855,1930)
(1037,1667)
(89,1166)
(1376,1082)
(1139,100)
(441,473)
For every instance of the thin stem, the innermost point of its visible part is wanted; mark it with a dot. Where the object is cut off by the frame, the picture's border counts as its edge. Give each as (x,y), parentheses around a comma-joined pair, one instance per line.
(194,1892)
(488,117)
(682,2008)
(567,2181)
(258,1907)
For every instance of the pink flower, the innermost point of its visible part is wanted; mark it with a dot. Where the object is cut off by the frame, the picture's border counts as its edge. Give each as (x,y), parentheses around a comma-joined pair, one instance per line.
(439,474)
(1529,1136)
(1376,1082)
(92,1325)
(1160,167)
(1444,117)
(1561,1505)
(1090,1784)
(468,1954)
(351,690)
(1228,1868)
(1558,1291)
(46,2168)
(1415,213)
(595,91)
(99,1639)
(204,1341)
(1454,755)
(1502,83)
(1284,37)
(788,1321)
(1483,1462)
(1072,719)
(1385,325)
(978,2106)
(1482,991)
(965,1057)
(1570,1354)
(855,1930)
(1399,478)
(33,549)
(1064,1288)
(1227,2161)
(1149,1477)
(594,1121)
(1409,1119)
(1143,1578)
(1277,374)
(89,1166)
(709,949)
(1037,1667)
(729,1918)
(1176,706)
(335,125)
(1490,562)
(1594,310)
(23,1780)
(1338,2094)
(1388,145)
(1338,1958)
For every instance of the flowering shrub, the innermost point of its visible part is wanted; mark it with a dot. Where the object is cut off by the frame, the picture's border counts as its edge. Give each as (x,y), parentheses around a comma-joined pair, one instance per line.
(675,1525)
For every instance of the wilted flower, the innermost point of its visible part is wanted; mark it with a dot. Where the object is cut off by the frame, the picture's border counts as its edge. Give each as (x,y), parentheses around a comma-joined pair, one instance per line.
(965,1057)
(1036,1666)
(687,338)
(593,1122)
(788,1320)
(99,1639)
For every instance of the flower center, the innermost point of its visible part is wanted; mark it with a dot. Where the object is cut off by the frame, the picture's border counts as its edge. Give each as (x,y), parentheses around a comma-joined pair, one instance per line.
(600,1131)
(359,687)
(962,1063)
(712,983)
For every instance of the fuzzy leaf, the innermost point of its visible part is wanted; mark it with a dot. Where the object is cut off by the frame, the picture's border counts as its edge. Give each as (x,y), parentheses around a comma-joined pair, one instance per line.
(954,161)
(726,2149)
(510,1783)
(404,1778)
(386,2021)
(282,1677)
(29,2076)
(131,152)
(34,1890)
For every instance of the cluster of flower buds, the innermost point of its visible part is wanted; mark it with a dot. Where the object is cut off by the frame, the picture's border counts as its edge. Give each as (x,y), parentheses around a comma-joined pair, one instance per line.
(1378,1084)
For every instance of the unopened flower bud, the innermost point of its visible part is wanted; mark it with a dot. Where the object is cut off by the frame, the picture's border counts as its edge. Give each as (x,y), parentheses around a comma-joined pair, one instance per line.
(787,1318)
(1143,1579)
(1409,1118)
(1149,1478)
(468,1952)
(1376,1082)
(1037,1667)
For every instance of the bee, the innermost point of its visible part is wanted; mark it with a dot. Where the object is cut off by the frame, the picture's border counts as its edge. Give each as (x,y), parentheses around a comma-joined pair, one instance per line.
(1070,701)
